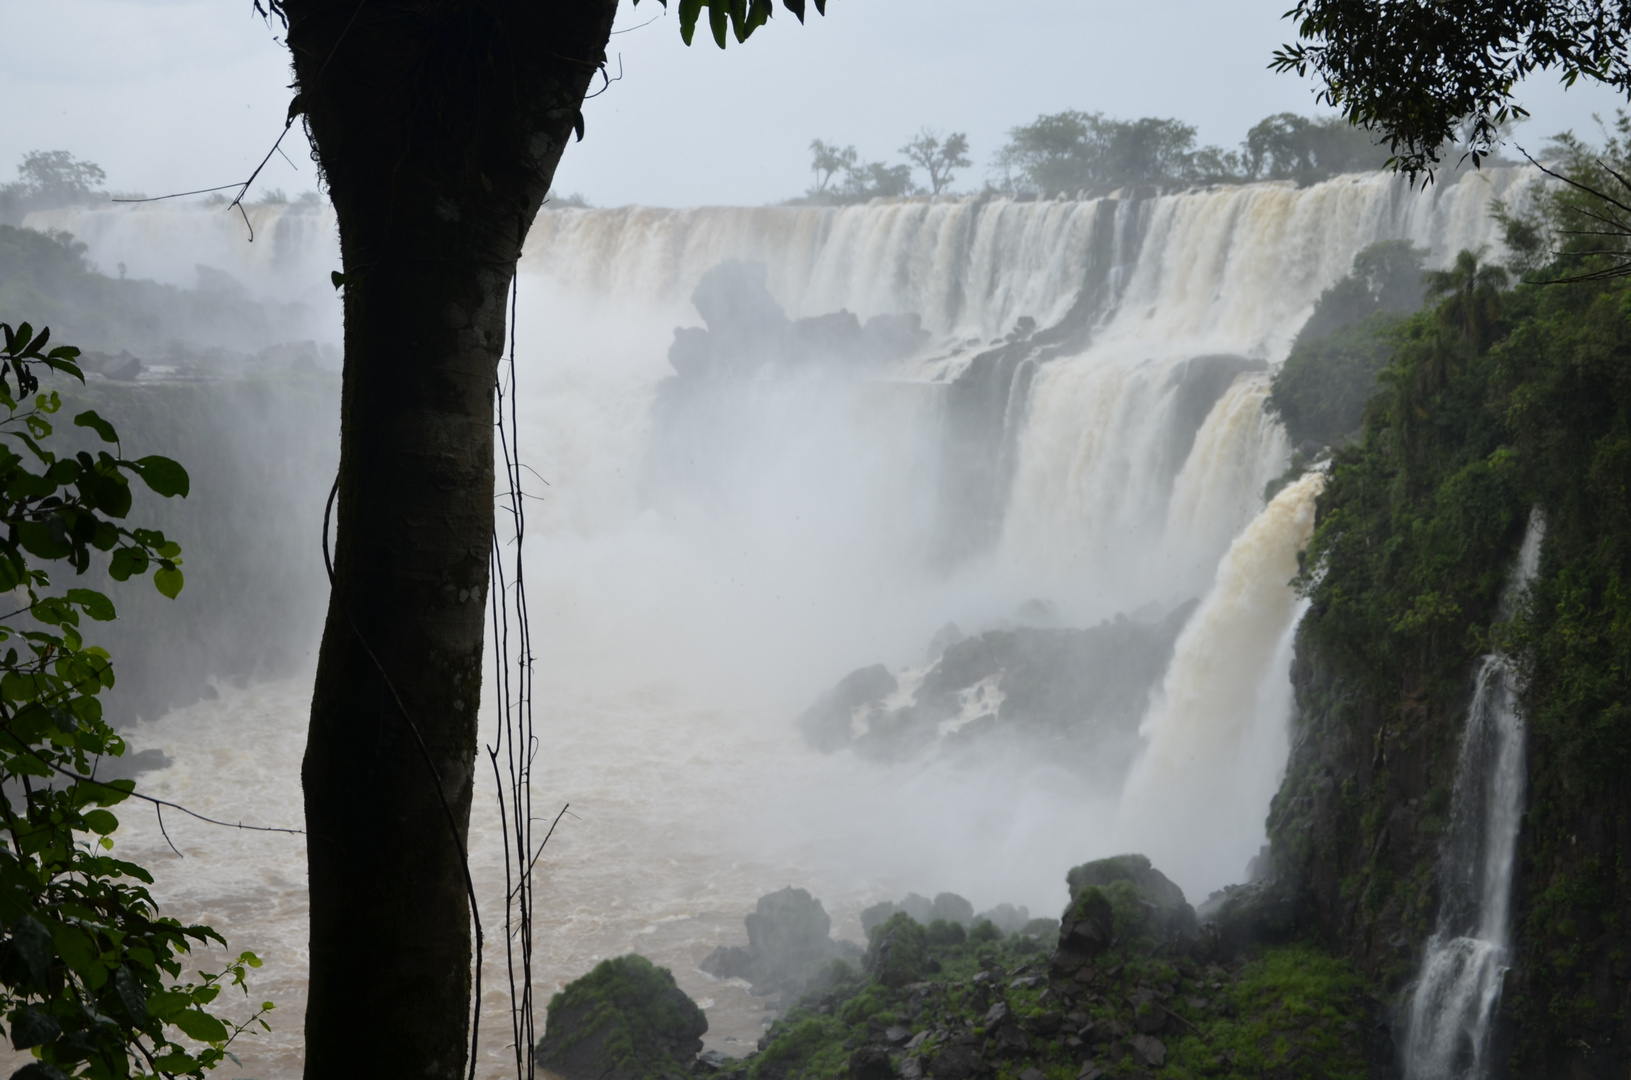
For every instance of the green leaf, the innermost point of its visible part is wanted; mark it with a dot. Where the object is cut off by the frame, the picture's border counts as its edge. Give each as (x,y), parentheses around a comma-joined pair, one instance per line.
(129,987)
(168,580)
(718,20)
(164,475)
(93,603)
(167,1003)
(89,419)
(100,822)
(77,950)
(200,1025)
(177,1062)
(33,943)
(689,11)
(39,538)
(113,792)
(31,1027)
(126,562)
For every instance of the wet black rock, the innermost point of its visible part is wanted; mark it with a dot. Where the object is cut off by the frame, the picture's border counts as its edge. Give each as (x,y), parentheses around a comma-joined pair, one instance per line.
(871,1063)
(787,931)
(789,941)
(728,962)
(1076,695)
(944,638)
(625,1020)
(826,725)
(747,331)
(1086,931)
(1239,919)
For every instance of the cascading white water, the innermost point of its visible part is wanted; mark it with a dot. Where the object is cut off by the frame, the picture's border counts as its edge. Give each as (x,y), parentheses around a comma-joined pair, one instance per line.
(682,625)
(1453,1005)
(1217,735)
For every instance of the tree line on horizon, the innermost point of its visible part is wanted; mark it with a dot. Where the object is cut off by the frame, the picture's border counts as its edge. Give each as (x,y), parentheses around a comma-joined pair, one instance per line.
(1088,154)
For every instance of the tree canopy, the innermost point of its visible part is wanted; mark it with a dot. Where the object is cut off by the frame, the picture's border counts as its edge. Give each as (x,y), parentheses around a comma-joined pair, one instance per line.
(47,179)
(1087,152)
(1423,73)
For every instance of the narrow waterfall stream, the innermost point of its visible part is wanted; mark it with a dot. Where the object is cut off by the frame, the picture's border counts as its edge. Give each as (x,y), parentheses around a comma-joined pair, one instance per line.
(1452,1009)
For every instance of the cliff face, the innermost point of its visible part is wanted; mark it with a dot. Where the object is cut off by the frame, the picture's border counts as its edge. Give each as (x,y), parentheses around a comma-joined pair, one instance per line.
(1357,824)
(1419,525)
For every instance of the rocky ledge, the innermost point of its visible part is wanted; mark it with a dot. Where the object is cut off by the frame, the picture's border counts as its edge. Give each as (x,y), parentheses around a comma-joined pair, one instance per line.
(1074,694)
(1132,984)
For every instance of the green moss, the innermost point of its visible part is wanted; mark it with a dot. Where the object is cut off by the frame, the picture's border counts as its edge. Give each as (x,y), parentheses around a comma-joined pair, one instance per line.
(812,1047)
(1298,1013)
(629,1009)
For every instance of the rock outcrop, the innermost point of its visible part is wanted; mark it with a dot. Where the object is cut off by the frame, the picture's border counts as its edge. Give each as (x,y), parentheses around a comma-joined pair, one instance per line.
(1128,989)
(747,332)
(789,940)
(625,1020)
(1075,694)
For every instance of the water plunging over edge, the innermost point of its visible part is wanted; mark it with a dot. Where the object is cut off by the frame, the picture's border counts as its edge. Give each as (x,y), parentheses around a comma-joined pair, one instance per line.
(1453,1005)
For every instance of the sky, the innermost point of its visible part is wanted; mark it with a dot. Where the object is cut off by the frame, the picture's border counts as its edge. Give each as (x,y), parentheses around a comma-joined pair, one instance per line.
(175,95)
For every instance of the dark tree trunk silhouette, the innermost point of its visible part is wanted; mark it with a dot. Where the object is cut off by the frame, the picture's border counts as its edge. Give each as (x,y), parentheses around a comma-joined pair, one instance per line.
(438,125)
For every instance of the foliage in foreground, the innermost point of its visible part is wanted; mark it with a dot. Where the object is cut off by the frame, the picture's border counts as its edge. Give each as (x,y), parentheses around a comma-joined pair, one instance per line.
(91,978)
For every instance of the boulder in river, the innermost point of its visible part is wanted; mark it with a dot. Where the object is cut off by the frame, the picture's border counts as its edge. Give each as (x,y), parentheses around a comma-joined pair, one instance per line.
(1075,695)
(625,1020)
(789,940)
(747,331)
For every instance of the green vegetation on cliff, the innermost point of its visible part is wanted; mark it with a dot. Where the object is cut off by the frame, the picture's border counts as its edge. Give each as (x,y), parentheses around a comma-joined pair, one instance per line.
(1495,401)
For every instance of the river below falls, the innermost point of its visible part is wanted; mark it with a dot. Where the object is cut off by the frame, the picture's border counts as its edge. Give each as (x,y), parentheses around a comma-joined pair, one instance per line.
(681,817)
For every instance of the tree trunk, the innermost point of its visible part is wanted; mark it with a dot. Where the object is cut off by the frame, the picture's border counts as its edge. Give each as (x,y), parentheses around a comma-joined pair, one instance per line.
(438,125)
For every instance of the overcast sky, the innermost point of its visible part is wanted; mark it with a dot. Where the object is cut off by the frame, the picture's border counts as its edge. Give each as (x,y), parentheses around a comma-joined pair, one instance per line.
(170,95)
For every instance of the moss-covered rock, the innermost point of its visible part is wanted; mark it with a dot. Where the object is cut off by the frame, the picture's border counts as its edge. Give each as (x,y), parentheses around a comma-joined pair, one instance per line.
(1145,899)
(899,951)
(625,1020)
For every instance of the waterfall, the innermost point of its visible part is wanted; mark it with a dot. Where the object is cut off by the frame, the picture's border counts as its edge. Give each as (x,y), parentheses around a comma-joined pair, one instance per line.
(1453,1005)
(1217,736)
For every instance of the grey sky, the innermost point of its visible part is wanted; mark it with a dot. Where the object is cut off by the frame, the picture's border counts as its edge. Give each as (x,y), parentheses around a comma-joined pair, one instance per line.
(169,95)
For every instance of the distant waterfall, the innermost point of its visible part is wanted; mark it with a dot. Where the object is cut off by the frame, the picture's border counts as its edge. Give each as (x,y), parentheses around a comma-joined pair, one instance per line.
(1466,959)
